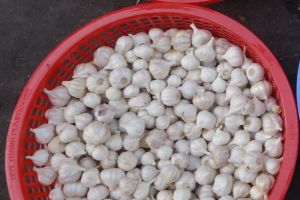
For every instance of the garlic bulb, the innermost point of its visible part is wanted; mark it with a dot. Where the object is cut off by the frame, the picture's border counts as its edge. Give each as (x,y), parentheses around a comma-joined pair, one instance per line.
(66,132)
(164,195)
(182,146)
(148,159)
(181,160)
(76,87)
(110,161)
(123,44)
(233,122)
(99,153)
(44,133)
(127,161)
(128,185)
(163,122)
(170,173)
(170,96)
(241,138)
(189,61)
(120,77)
(181,41)
(173,56)
(91,100)
(98,192)
(119,106)
(82,120)
(57,193)
(238,78)
(69,172)
(223,184)
(244,174)
(149,173)
(140,38)
(220,112)
(195,75)
(252,124)
(155,33)
(234,56)
(273,147)
(140,64)
(198,147)
(236,155)
(97,83)
(130,56)
(224,70)
(73,109)
(111,177)
(255,73)
(90,178)
(191,131)
(264,182)
(162,44)
(271,123)
(75,149)
(206,51)
(40,157)
(164,152)
(102,55)
(219,85)
(114,142)
(116,61)
(200,36)
(155,108)
(208,74)
(256,193)
(259,107)
(232,91)
(113,93)
(96,133)
(75,189)
(175,131)
(272,165)
(45,175)
(187,112)
(221,137)
(58,96)
(87,163)
(143,51)
(104,113)
(219,156)
(131,91)
(159,68)
(141,79)
(188,89)
(187,180)
(141,100)
(135,128)
(204,100)
(156,86)
(206,120)
(142,190)
(205,174)
(261,90)
(55,115)
(174,80)
(240,189)
(227,169)
(55,146)
(182,193)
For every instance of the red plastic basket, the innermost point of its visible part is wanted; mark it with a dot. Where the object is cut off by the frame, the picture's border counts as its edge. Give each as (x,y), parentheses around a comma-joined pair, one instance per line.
(196,2)
(58,65)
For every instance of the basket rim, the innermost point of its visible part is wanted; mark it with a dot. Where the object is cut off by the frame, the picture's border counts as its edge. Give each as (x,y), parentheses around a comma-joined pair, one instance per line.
(196,2)
(12,168)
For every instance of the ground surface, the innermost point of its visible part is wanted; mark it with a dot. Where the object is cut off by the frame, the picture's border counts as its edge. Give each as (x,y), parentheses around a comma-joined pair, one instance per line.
(30,29)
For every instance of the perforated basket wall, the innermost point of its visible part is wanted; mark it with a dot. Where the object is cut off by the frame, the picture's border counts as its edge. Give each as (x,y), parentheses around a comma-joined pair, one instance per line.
(79,47)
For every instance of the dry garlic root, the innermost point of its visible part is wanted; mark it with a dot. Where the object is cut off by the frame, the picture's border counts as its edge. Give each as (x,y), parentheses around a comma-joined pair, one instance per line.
(167,115)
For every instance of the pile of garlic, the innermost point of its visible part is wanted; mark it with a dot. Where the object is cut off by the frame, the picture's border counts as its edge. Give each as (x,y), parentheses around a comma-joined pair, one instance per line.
(165,115)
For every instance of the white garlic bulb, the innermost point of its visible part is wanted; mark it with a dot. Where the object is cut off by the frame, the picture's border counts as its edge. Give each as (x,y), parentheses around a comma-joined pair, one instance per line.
(187,112)
(252,124)
(55,146)
(40,157)
(219,156)
(96,133)
(82,120)
(111,177)
(264,182)
(205,174)
(174,81)
(206,120)
(170,96)
(135,128)
(191,131)
(181,41)
(123,44)
(104,113)
(130,56)
(165,152)
(55,115)
(46,175)
(155,33)
(164,195)
(181,160)
(162,44)
(76,87)
(241,138)
(240,189)
(224,70)
(204,100)
(255,72)
(44,133)
(244,174)
(87,163)
(102,55)
(174,56)
(273,147)
(75,149)
(91,100)
(188,89)
(66,132)
(142,190)
(232,91)
(272,165)
(69,172)
(261,90)
(234,56)
(119,106)
(114,142)
(189,61)
(73,109)
(182,146)
(110,161)
(90,177)
(99,152)
(141,79)
(253,161)
(113,93)
(182,193)
(233,122)
(219,85)
(128,185)
(200,36)
(175,131)
(120,77)
(149,173)
(116,61)
(271,123)
(140,38)
(159,68)
(206,51)
(198,147)
(140,64)
(143,51)
(223,184)
(57,193)
(195,75)
(74,189)
(221,137)
(208,74)
(131,91)
(127,161)
(58,96)
(148,159)
(98,192)
(97,83)
(238,78)
(163,122)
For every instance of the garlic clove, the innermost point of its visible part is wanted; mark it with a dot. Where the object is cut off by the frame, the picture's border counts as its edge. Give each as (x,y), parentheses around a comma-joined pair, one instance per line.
(75,149)
(200,36)
(189,61)
(40,157)
(44,133)
(84,70)
(90,177)
(261,90)
(159,68)
(55,146)
(234,56)
(98,192)
(55,115)
(143,51)
(46,175)
(102,55)
(120,77)
(111,177)
(123,44)
(206,52)
(97,83)
(76,87)
(170,96)
(58,96)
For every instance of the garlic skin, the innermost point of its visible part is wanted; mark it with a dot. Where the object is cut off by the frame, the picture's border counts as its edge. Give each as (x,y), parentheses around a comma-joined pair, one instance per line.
(206,119)
(46,175)
(223,184)
(102,55)
(55,146)
(141,79)
(98,192)
(90,178)
(159,68)
(170,96)
(188,89)
(271,123)
(91,100)
(255,73)
(74,189)
(234,56)
(208,74)
(164,195)
(55,115)
(205,174)
(97,83)
(204,100)
(238,78)
(96,133)
(162,44)
(181,41)
(123,44)
(44,133)
(189,61)
(262,90)
(182,193)
(111,177)
(75,149)
(40,157)
(200,36)
(273,147)
(206,52)
(127,161)
(76,87)
(59,96)
(272,165)
(120,77)
(131,91)
(143,51)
